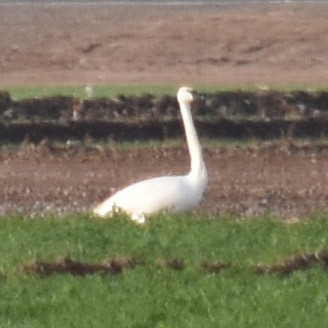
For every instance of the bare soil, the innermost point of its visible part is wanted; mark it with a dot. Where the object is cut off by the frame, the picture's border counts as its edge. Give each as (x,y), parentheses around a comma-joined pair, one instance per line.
(285,267)
(263,44)
(286,180)
(275,44)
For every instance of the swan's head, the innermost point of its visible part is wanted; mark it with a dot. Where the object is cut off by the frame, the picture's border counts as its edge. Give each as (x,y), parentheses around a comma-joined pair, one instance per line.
(185,95)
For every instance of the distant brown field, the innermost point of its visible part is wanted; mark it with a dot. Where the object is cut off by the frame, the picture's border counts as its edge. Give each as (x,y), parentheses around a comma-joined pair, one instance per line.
(266,44)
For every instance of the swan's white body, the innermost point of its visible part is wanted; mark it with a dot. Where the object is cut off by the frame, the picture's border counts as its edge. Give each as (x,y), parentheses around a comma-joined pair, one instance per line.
(175,193)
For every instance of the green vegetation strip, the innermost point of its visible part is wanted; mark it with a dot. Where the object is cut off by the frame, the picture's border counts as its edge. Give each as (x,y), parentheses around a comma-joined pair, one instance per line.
(99,91)
(159,90)
(171,286)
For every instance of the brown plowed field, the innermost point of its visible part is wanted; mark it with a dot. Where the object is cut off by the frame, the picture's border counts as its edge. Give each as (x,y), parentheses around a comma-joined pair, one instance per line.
(164,44)
(199,45)
(286,180)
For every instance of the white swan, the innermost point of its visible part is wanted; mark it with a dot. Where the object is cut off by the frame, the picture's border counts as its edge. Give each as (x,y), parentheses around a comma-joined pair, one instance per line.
(176,193)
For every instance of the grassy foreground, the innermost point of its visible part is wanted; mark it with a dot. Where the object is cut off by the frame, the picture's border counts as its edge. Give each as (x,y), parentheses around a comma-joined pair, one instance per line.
(155,296)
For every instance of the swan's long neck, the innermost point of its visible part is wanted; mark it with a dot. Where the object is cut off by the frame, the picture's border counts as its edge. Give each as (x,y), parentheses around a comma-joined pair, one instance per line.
(198,169)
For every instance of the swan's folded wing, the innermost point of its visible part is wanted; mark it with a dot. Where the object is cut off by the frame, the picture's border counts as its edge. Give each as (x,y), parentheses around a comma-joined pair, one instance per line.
(150,196)
(174,193)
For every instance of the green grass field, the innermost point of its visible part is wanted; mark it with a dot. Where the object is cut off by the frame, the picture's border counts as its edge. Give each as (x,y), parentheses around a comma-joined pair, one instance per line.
(156,296)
